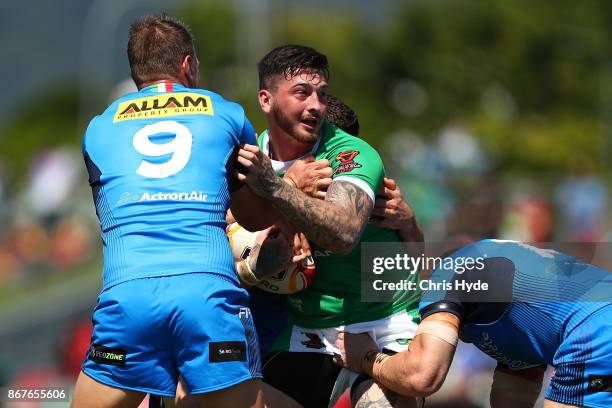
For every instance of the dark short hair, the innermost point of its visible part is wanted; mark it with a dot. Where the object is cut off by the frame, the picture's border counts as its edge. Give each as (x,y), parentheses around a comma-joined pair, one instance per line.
(342,116)
(157,46)
(289,60)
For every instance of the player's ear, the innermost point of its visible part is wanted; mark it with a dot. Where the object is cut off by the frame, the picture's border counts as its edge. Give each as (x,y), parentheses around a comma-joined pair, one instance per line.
(265,100)
(190,69)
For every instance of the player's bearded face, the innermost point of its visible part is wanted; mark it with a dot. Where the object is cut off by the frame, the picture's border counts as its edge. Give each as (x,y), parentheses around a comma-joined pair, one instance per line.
(282,121)
(299,106)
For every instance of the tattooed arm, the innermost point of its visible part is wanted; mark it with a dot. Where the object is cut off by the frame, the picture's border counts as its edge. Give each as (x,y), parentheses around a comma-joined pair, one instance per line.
(335,224)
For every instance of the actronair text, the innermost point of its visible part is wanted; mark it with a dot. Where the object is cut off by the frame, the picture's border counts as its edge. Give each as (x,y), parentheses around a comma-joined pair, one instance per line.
(193,196)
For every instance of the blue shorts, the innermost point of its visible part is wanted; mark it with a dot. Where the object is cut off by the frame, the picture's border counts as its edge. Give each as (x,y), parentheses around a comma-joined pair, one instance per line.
(149,331)
(270,314)
(583,364)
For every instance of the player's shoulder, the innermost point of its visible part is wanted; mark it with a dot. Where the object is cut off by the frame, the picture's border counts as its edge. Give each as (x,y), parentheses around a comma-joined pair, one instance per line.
(100,121)
(337,145)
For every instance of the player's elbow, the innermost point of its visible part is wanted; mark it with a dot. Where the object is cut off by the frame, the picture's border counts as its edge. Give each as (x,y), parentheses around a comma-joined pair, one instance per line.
(422,381)
(424,385)
(349,236)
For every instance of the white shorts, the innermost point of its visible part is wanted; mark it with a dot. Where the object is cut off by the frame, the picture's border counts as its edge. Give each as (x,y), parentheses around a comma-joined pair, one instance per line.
(393,333)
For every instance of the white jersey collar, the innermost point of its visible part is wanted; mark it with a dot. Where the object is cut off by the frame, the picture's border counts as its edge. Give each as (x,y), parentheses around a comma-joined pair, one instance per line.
(281,166)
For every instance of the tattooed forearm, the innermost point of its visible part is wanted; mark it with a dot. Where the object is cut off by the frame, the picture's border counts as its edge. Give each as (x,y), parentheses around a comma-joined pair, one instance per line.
(336,223)
(267,182)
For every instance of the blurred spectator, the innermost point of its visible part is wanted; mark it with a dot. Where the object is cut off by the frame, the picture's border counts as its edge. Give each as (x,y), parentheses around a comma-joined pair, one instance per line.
(582,201)
(9,266)
(29,243)
(529,219)
(53,176)
(479,210)
(74,347)
(42,226)
(461,151)
(69,243)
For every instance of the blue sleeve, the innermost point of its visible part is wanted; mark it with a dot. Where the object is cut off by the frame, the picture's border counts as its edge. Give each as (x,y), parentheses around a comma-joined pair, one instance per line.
(87,131)
(248,133)
(447,291)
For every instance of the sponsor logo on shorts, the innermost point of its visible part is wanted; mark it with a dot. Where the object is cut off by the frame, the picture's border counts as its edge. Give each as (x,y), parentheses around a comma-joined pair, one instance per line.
(244,313)
(314,341)
(128,197)
(600,383)
(164,105)
(106,355)
(225,351)
(347,162)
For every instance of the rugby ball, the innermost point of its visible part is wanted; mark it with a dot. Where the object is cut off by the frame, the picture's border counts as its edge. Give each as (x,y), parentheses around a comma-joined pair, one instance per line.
(295,278)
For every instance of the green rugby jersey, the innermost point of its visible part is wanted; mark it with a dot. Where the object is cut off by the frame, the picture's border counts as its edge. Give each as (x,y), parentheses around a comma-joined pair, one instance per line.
(334,297)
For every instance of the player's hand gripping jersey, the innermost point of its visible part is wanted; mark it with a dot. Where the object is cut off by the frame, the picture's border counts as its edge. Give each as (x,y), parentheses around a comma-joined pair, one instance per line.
(334,297)
(158,163)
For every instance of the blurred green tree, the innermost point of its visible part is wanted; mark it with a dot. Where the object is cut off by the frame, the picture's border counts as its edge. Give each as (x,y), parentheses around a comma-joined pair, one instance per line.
(49,120)
(525,76)
(532,80)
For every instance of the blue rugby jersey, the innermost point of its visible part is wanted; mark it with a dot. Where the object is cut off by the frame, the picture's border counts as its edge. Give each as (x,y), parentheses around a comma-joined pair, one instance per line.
(535,298)
(159,163)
